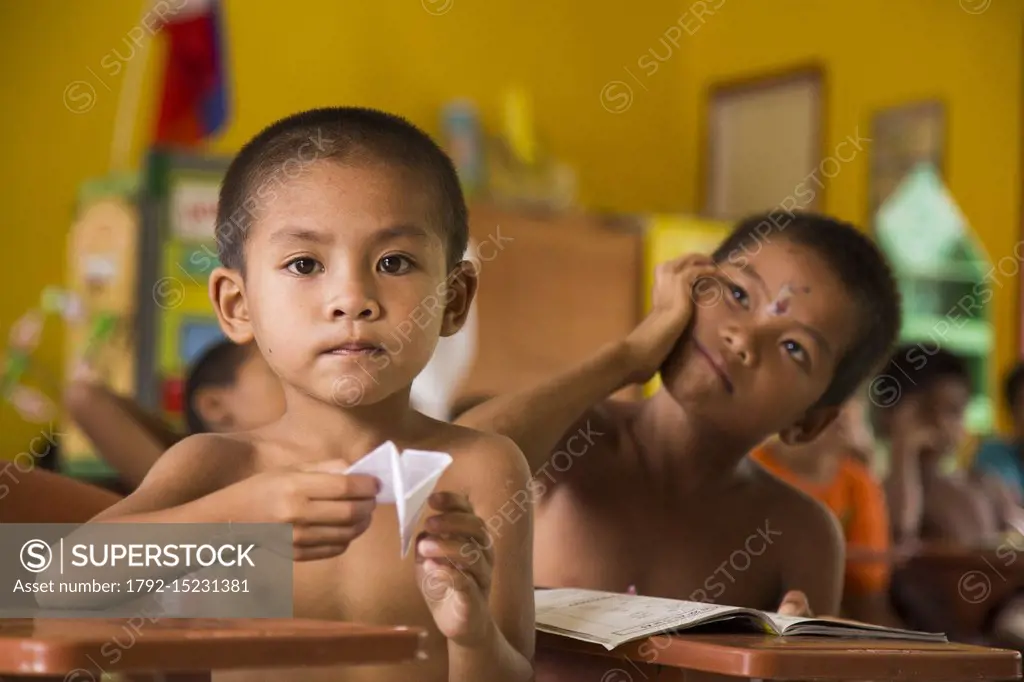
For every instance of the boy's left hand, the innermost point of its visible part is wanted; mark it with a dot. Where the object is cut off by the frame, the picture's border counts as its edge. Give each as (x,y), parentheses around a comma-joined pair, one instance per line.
(795,604)
(453,567)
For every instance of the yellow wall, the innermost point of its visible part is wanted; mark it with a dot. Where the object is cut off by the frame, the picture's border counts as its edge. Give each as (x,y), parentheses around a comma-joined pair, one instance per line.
(880,53)
(307,53)
(396,55)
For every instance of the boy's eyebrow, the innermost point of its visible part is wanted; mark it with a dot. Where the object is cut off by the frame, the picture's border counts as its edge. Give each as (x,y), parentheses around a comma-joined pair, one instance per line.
(299,234)
(400,230)
(748,269)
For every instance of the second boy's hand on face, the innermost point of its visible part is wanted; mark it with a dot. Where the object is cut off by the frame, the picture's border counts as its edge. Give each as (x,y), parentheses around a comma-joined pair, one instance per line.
(454,563)
(672,305)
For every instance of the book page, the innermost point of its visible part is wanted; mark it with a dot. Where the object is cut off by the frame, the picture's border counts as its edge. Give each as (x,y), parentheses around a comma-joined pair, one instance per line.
(782,622)
(610,619)
(842,627)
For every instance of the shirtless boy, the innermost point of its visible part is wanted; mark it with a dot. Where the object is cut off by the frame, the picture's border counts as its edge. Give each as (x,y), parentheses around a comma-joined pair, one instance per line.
(769,336)
(923,395)
(229,388)
(333,257)
(924,426)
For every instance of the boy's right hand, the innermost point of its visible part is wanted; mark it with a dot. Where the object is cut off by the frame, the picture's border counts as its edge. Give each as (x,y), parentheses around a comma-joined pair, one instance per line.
(672,304)
(327,510)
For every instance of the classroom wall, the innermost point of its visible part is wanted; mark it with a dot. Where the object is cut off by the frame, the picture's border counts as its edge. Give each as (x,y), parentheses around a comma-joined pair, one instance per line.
(878,53)
(632,130)
(408,57)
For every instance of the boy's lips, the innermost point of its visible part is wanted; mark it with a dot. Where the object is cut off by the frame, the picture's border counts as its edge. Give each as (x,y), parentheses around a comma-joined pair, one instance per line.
(715,365)
(355,348)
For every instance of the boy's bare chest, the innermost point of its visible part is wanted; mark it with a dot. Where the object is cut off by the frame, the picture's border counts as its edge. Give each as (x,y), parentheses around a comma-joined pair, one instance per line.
(724,550)
(368,583)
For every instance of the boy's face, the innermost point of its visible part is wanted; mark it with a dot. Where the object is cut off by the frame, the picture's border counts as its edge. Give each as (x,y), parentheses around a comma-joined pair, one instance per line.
(768,332)
(253,399)
(345,288)
(943,409)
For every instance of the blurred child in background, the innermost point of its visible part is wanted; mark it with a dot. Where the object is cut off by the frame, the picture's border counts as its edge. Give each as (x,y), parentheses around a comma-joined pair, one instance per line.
(229,387)
(1004,457)
(924,428)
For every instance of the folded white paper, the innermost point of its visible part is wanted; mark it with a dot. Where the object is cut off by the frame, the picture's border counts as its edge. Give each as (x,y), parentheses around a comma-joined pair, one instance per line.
(407,479)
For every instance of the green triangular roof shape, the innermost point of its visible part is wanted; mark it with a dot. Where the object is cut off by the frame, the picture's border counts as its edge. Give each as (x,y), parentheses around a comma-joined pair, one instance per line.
(922,230)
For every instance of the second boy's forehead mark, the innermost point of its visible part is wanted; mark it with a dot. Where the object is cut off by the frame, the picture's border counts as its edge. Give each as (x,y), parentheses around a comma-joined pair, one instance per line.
(762,268)
(780,304)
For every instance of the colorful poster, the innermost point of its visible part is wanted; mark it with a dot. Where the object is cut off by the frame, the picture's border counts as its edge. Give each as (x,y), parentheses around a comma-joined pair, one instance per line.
(194,209)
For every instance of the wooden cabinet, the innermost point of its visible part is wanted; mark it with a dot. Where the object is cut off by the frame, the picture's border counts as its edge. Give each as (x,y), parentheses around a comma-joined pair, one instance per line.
(553,289)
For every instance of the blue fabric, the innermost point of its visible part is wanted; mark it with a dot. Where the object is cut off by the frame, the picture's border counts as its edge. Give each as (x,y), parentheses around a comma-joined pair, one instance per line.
(1002,458)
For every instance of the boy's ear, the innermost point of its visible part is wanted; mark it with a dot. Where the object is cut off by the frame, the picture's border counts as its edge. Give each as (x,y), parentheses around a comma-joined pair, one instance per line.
(461,289)
(227,293)
(809,426)
(212,407)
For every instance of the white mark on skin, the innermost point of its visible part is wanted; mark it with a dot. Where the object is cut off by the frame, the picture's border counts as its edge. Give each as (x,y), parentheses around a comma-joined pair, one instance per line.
(781,303)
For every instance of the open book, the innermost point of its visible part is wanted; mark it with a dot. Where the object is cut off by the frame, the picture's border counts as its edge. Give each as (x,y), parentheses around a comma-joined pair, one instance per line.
(611,619)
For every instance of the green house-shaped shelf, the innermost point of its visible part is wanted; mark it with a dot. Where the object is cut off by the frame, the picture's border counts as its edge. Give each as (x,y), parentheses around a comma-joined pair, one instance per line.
(941,268)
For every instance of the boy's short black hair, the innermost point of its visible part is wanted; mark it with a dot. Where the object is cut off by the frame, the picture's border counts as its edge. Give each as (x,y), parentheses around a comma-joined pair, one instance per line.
(1012,384)
(342,135)
(216,366)
(916,368)
(861,267)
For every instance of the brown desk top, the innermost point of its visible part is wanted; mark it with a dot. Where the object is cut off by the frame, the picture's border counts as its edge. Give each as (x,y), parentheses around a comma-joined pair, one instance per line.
(59,646)
(807,658)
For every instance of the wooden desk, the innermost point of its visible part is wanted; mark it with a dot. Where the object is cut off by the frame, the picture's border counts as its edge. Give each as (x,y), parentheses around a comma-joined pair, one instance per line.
(61,647)
(704,656)
(973,582)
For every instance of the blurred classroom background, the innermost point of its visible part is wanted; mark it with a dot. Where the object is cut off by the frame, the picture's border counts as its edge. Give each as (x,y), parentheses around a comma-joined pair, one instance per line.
(600,137)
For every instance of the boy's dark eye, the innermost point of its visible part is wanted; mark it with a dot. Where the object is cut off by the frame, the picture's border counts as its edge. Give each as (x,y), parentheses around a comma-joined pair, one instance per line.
(394,265)
(739,294)
(303,266)
(795,350)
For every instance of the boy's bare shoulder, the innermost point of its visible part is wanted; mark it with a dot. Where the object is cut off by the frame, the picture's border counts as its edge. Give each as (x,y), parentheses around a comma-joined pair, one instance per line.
(481,458)
(218,458)
(791,505)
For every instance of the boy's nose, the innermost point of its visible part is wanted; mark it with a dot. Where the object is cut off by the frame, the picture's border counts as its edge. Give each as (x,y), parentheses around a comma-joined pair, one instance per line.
(738,341)
(367,309)
(354,304)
